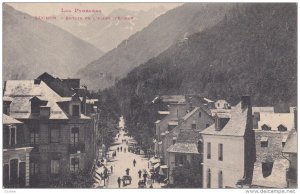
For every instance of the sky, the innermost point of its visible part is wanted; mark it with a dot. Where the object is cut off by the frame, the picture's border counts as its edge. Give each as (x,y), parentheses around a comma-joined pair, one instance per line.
(48,9)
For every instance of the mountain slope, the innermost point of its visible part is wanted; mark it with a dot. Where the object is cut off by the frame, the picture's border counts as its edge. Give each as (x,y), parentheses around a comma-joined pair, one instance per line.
(164,31)
(107,31)
(253,50)
(32,46)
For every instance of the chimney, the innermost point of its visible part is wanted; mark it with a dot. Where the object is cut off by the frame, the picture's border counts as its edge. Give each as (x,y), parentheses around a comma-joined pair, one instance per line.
(83,105)
(246,101)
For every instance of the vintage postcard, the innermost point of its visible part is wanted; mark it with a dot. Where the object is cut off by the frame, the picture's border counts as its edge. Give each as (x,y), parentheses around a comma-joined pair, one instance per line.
(150,95)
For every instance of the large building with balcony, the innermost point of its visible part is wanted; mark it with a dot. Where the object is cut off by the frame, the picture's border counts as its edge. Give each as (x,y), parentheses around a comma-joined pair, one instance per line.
(16,154)
(60,124)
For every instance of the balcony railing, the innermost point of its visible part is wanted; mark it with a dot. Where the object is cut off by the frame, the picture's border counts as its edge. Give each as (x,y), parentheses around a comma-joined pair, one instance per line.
(75,148)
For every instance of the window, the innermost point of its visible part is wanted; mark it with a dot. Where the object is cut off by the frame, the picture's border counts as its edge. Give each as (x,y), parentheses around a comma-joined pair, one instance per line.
(208,150)
(34,168)
(13,136)
(264,142)
(54,135)
(220,152)
(208,181)
(180,159)
(265,128)
(75,136)
(267,168)
(193,126)
(34,137)
(200,146)
(54,166)
(220,181)
(75,109)
(199,114)
(282,128)
(74,164)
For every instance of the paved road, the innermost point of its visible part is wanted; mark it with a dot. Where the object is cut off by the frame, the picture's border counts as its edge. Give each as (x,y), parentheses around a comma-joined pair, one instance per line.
(124,160)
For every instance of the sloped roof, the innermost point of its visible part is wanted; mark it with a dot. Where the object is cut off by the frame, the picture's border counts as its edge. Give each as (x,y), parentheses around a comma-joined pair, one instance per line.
(236,126)
(276,119)
(21,91)
(180,147)
(9,120)
(291,144)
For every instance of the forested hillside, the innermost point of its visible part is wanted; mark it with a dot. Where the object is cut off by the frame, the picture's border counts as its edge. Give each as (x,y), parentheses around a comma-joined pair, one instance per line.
(252,50)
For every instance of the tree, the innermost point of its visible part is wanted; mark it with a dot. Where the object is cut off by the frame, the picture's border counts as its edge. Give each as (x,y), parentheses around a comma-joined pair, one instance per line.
(80,179)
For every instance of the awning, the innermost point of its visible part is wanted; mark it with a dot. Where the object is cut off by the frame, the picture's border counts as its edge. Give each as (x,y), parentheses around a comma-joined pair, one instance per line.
(162,134)
(167,132)
(160,142)
(154,160)
(264,139)
(174,138)
(156,165)
(163,166)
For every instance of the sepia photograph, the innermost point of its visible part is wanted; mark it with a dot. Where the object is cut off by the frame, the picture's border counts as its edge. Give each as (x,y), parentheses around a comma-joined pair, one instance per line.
(155,95)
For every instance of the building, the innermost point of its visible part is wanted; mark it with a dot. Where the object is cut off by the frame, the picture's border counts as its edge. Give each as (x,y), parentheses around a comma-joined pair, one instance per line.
(271,133)
(229,148)
(185,150)
(290,152)
(16,154)
(59,124)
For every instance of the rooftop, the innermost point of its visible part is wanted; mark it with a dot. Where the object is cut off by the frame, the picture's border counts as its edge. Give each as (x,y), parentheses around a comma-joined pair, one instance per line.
(22,91)
(236,126)
(274,120)
(9,120)
(291,144)
(179,147)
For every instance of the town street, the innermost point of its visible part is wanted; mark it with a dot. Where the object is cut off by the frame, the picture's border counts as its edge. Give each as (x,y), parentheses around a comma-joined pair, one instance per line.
(124,160)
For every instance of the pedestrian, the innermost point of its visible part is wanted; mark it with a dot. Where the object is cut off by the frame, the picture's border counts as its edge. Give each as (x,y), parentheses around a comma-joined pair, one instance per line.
(124,149)
(121,149)
(111,169)
(118,149)
(134,162)
(119,182)
(145,176)
(151,186)
(152,178)
(127,171)
(140,173)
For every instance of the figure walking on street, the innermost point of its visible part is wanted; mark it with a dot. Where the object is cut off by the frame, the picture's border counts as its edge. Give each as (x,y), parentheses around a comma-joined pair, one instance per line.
(145,176)
(134,162)
(127,171)
(152,178)
(121,149)
(124,150)
(118,149)
(140,173)
(119,182)
(111,169)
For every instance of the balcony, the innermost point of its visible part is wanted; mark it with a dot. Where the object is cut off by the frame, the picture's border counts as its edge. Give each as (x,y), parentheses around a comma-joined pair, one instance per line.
(75,148)
(14,146)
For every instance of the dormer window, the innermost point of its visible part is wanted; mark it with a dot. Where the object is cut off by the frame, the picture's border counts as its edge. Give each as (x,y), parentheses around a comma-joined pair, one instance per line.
(265,128)
(35,105)
(75,110)
(282,128)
